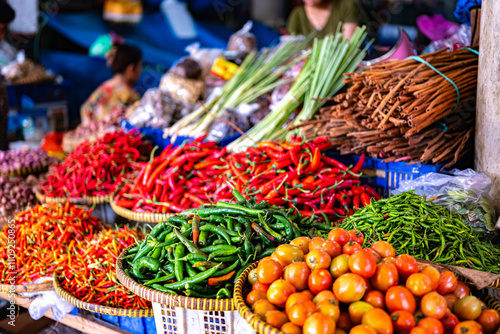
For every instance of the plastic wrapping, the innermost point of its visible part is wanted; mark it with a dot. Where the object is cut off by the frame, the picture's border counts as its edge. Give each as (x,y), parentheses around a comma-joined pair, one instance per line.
(205,57)
(465,192)
(182,89)
(461,38)
(186,67)
(243,40)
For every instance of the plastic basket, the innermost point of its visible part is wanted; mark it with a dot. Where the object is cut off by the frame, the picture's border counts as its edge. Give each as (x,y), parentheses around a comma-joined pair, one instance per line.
(38,93)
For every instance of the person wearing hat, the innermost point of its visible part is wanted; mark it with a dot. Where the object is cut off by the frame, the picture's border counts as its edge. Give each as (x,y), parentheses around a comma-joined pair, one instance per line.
(7,15)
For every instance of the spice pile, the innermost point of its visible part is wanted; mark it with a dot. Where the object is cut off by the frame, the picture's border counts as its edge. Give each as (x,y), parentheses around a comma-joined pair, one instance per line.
(96,168)
(404,110)
(16,194)
(15,160)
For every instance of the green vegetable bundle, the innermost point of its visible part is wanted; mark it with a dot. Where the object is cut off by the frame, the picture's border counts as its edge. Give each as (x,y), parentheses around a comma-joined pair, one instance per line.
(201,252)
(416,226)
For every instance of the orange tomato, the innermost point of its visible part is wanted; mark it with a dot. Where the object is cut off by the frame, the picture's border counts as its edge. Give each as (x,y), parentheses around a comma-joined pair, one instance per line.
(433,305)
(447,283)
(419,330)
(297,273)
(316,243)
(331,247)
(451,299)
(375,298)
(294,299)
(269,271)
(363,263)
(489,320)
(386,276)
(260,286)
(399,298)
(279,291)
(339,265)
(362,329)
(419,284)
(406,265)
(255,295)
(301,311)
(276,318)
(357,310)
(323,295)
(339,235)
(302,243)
(344,321)
(462,290)
(431,325)
(290,328)
(351,247)
(349,288)
(469,327)
(308,293)
(319,280)
(383,248)
(379,320)
(330,307)
(319,323)
(402,321)
(432,273)
(389,259)
(262,306)
(318,259)
(287,254)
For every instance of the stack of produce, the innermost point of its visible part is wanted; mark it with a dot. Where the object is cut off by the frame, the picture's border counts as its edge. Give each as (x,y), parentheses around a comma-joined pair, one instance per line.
(427,231)
(16,194)
(178,179)
(405,110)
(201,252)
(15,160)
(91,276)
(334,286)
(96,168)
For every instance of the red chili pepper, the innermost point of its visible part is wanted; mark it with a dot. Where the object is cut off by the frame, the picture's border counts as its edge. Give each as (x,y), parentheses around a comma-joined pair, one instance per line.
(334,163)
(315,161)
(271,145)
(372,192)
(356,202)
(365,199)
(149,168)
(359,164)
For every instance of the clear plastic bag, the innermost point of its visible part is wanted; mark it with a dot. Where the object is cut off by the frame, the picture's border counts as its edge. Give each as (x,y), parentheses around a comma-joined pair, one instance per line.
(182,89)
(465,192)
(243,40)
(205,57)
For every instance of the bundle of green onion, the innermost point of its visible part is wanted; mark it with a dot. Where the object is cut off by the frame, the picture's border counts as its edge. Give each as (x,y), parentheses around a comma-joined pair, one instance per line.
(321,77)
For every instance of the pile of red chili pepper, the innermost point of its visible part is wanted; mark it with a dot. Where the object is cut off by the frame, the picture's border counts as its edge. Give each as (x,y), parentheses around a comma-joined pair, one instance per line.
(96,168)
(91,276)
(45,239)
(179,178)
(297,174)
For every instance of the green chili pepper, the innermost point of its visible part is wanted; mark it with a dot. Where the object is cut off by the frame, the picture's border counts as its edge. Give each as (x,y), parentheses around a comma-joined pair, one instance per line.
(224,293)
(190,270)
(160,279)
(189,245)
(217,230)
(163,289)
(180,250)
(195,279)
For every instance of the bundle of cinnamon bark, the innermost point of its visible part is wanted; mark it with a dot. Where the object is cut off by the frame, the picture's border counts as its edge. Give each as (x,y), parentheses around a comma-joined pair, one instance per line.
(405,110)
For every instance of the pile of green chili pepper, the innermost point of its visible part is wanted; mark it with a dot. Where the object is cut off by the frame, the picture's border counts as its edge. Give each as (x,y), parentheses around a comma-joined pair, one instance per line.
(201,252)
(417,226)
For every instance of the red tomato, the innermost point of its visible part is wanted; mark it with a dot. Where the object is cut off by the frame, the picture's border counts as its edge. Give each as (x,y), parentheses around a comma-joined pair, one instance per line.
(344,322)
(403,321)
(349,288)
(385,276)
(451,299)
(383,248)
(433,305)
(339,235)
(419,284)
(260,286)
(406,265)
(447,283)
(375,298)
(297,273)
(316,243)
(379,320)
(279,291)
(432,325)
(319,280)
(449,322)
(319,323)
(432,273)
(363,263)
(462,290)
(399,298)
(351,247)
(490,320)
(357,236)
(469,327)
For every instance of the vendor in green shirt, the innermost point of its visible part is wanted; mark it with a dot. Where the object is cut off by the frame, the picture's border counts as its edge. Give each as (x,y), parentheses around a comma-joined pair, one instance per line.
(324,16)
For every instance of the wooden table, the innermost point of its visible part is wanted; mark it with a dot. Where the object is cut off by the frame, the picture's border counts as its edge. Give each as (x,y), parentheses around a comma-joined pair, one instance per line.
(86,322)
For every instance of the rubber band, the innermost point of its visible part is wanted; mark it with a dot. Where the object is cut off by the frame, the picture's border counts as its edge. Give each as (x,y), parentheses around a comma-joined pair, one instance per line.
(417,58)
(443,125)
(473,51)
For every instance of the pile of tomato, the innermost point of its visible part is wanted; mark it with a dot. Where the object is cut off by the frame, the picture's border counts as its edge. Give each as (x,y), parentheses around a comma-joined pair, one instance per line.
(334,286)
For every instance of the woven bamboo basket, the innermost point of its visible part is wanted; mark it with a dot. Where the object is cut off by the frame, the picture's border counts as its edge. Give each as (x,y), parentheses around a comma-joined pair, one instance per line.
(27,171)
(120,312)
(182,315)
(45,286)
(140,217)
(87,200)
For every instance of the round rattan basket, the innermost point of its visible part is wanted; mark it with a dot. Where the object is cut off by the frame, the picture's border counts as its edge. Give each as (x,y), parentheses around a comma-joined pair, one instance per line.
(120,312)
(87,200)
(27,171)
(155,296)
(140,217)
(45,286)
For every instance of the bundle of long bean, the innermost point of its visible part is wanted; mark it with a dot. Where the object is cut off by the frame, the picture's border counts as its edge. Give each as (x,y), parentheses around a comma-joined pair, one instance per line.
(201,252)
(416,226)
(391,110)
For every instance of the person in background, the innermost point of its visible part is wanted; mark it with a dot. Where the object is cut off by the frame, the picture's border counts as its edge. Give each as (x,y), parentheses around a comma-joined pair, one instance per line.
(7,15)
(324,16)
(113,96)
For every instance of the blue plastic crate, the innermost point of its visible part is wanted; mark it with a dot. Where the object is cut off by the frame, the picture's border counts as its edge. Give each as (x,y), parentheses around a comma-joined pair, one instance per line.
(21,96)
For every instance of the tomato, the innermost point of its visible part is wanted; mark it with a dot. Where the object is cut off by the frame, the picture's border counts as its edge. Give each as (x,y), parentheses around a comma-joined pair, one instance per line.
(419,330)
(288,253)
(357,310)
(255,295)
(449,322)
(322,296)
(344,321)
(297,273)
(419,284)
(468,308)
(340,331)
(302,243)
(375,298)
(402,321)
(301,311)
(490,320)
(389,259)
(331,247)
(447,283)
(468,327)
(330,307)
(339,265)
(362,329)
(316,243)
(383,248)
(368,284)
(339,235)
(432,325)
(276,318)
(319,280)
(290,328)
(406,265)
(399,298)
(349,288)
(308,293)
(357,236)
(462,290)
(262,306)
(279,291)
(294,299)
(260,286)
(451,299)
(351,247)
(385,276)
(432,273)
(252,276)
(318,259)
(433,305)
(319,323)
(379,320)
(363,263)
(269,271)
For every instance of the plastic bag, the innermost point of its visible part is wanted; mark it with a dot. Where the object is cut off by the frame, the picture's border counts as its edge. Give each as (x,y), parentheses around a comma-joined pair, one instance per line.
(460,39)
(205,57)
(465,192)
(243,40)
(182,89)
